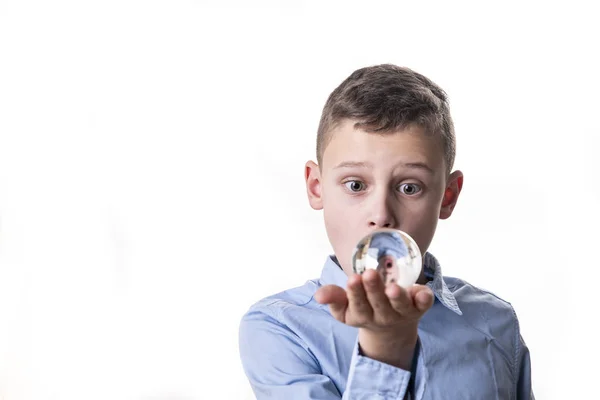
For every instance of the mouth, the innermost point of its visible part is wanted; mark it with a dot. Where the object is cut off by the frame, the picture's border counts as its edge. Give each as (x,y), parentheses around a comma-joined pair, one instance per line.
(388,262)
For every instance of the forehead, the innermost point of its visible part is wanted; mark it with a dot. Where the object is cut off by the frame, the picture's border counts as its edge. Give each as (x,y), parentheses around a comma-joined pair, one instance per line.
(412,146)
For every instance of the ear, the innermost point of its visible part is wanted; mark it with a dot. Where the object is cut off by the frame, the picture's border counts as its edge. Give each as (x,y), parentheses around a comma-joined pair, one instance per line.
(312,176)
(453,189)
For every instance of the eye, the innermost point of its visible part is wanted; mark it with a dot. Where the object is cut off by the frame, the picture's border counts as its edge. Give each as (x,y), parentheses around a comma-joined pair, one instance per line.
(410,188)
(355,186)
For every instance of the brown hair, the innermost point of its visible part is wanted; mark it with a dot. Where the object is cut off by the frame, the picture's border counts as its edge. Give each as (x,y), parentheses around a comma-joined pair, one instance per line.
(387,98)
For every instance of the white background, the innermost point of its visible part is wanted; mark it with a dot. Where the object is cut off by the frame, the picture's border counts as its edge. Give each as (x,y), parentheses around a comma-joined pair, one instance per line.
(147,146)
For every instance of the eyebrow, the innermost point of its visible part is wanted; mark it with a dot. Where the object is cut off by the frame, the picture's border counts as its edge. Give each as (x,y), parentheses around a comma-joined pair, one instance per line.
(361,164)
(353,164)
(420,165)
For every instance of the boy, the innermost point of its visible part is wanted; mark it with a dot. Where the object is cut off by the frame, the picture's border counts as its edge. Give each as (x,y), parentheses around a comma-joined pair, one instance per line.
(385,152)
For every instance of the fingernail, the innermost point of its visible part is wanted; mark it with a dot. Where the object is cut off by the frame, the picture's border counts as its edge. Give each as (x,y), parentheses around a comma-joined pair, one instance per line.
(423,299)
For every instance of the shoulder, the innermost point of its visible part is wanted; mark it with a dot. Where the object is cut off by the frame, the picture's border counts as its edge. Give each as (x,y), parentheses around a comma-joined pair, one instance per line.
(275,328)
(492,315)
(276,304)
(485,311)
(471,295)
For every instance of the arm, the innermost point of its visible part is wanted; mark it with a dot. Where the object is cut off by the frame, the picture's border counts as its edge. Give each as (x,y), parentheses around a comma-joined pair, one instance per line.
(387,317)
(369,377)
(524,388)
(279,366)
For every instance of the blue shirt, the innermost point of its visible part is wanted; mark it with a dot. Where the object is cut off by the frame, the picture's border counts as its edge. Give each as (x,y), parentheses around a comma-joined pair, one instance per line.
(291,347)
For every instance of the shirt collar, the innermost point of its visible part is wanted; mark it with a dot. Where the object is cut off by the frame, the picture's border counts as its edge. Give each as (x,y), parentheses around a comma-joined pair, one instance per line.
(332,274)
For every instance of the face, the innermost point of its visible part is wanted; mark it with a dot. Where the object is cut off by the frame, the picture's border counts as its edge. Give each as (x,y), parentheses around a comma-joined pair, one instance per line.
(369,181)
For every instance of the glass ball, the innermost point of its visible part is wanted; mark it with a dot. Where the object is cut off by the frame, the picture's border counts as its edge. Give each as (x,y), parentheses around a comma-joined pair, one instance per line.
(392,253)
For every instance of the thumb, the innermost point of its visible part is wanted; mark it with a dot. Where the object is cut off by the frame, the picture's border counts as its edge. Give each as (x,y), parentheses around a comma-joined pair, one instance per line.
(423,298)
(336,297)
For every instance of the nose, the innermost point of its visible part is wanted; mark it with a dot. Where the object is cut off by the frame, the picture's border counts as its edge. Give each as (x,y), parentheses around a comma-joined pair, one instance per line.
(381,211)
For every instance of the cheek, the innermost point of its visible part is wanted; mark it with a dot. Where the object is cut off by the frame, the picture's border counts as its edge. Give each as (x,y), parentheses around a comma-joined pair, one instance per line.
(337,227)
(343,233)
(421,227)
(425,236)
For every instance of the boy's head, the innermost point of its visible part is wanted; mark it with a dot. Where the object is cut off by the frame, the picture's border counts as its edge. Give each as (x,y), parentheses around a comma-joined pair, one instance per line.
(385,152)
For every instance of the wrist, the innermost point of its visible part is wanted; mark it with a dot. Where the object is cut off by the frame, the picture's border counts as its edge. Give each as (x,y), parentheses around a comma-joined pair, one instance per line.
(395,348)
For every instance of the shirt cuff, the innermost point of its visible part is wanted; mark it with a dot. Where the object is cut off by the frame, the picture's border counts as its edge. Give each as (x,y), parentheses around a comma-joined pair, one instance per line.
(372,379)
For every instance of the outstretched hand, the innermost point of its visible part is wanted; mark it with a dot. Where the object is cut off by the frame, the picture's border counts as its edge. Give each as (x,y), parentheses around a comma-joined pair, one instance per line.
(387,316)
(367,303)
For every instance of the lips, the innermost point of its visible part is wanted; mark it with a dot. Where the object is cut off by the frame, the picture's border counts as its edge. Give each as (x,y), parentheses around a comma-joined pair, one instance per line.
(388,261)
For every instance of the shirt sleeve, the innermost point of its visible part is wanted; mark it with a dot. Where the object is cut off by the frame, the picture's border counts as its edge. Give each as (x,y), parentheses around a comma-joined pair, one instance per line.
(524,387)
(371,379)
(279,365)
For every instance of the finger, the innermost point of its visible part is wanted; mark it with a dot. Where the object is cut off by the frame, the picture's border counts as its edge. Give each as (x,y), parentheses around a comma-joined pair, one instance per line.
(330,294)
(400,299)
(375,290)
(336,297)
(358,304)
(422,297)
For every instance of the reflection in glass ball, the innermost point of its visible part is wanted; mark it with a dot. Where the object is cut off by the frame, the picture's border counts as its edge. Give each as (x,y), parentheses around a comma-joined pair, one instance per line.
(392,253)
